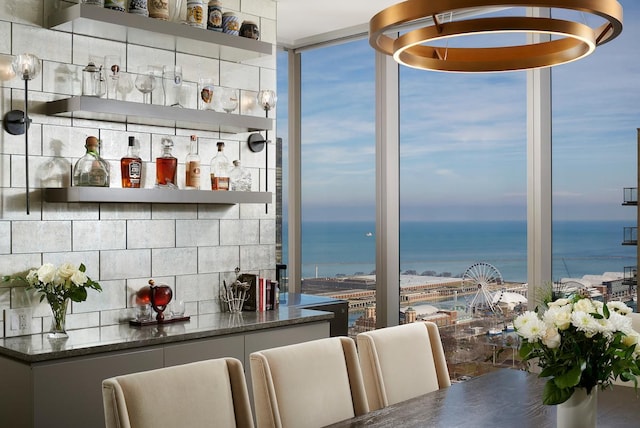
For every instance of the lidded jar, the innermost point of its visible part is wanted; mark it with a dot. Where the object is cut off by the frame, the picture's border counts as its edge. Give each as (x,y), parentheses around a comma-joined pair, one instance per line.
(91,169)
(166,166)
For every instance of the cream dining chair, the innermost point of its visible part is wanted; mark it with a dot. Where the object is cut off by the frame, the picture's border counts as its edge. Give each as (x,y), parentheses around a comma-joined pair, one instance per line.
(309,384)
(401,362)
(211,393)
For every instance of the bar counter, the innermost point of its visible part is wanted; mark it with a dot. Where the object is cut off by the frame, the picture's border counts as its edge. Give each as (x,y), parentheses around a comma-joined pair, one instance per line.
(38,347)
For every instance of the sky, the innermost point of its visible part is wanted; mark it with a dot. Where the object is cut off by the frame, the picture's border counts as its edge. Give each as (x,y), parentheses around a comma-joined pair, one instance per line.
(463,136)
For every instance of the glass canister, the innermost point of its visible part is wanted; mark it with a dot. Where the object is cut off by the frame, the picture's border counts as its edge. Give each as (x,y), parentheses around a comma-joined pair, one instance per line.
(196,13)
(91,169)
(93,82)
(214,21)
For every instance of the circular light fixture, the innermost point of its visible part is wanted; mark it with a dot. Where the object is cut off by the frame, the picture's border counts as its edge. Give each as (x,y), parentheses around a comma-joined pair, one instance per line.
(576,40)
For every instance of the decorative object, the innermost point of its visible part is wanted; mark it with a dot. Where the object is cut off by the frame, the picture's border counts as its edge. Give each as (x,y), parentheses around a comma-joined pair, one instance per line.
(249,29)
(166,166)
(235,295)
(228,99)
(137,7)
(177,10)
(59,286)
(94,2)
(159,9)
(579,343)
(214,21)
(206,91)
(239,178)
(196,13)
(119,5)
(445,19)
(91,169)
(15,122)
(230,23)
(93,83)
(267,100)
(159,297)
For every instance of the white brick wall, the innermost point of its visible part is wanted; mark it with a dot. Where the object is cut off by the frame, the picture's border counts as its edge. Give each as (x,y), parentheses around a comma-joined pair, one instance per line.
(192,248)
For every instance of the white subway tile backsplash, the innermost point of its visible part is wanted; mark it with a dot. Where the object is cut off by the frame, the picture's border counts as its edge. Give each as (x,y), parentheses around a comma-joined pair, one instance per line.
(197,233)
(190,247)
(151,233)
(219,259)
(123,264)
(174,261)
(239,232)
(99,235)
(40,236)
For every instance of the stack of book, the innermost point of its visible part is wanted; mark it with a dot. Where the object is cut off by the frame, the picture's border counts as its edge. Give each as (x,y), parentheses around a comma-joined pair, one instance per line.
(263,293)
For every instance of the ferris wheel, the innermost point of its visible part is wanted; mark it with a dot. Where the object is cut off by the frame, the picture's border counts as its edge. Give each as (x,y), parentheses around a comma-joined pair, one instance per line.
(485,277)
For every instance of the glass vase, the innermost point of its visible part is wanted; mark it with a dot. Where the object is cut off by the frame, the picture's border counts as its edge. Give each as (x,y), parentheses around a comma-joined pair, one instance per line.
(59,320)
(580,410)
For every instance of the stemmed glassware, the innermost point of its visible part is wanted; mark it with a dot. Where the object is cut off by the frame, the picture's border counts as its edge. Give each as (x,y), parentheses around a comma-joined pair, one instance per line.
(228,99)
(112,65)
(145,82)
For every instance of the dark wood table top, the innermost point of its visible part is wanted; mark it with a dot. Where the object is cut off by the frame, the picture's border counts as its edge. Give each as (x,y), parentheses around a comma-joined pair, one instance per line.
(504,398)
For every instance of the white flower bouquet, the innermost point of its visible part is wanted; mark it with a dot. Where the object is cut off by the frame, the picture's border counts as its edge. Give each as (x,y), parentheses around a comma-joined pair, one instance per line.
(580,343)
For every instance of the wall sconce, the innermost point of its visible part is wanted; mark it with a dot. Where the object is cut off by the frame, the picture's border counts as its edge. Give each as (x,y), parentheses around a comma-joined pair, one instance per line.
(16,122)
(267,100)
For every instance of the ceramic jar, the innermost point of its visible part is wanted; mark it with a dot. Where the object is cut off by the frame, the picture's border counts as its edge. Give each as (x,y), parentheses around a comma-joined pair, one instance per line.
(138,7)
(214,21)
(196,14)
(159,9)
(249,29)
(230,23)
(119,5)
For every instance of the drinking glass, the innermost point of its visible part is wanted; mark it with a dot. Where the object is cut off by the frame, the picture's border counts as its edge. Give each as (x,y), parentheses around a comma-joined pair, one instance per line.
(205,93)
(125,85)
(228,99)
(172,85)
(145,82)
(112,66)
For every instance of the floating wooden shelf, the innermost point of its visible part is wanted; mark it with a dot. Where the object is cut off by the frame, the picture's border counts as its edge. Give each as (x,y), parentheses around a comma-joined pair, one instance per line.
(159,196)
(150,114)
(139,30)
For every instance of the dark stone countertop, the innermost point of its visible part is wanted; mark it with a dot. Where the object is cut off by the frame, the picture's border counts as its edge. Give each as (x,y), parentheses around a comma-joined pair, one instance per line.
(38,347)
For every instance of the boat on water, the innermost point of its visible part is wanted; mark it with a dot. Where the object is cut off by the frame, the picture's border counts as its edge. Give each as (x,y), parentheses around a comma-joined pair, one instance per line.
(368,234)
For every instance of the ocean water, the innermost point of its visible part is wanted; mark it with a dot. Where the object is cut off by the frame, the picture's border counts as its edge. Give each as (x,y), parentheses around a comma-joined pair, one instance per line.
(449,248)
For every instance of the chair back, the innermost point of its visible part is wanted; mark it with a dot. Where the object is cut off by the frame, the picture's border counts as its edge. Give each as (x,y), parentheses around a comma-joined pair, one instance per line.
(309,384)
(210,393)
(401,362)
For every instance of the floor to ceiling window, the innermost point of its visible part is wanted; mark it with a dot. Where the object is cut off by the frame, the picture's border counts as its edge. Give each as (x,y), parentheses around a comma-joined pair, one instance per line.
(595,117)
(338,171)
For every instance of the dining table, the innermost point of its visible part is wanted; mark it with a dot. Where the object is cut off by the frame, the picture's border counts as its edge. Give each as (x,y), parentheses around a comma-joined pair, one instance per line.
(502,398)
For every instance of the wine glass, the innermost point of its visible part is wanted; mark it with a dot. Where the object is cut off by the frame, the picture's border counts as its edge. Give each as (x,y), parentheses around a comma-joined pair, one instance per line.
(125,85)
(228,99)
(145,82)
(112,67)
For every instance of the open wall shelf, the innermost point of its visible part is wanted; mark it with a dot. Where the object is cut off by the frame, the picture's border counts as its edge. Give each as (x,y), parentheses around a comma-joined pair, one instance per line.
(160,196)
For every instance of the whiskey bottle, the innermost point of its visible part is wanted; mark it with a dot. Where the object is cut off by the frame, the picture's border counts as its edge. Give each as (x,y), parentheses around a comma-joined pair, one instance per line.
(91,169)
(220,168)
(131,166)
(166,166)
(192,165)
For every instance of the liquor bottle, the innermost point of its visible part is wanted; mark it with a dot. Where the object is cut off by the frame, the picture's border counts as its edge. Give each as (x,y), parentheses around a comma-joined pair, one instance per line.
(91,169)
(131,166)
(240,178)
(166,166)
(192,165)
(220,168)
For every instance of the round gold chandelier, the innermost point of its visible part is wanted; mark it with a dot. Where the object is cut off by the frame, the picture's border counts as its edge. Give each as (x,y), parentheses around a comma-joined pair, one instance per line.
(416,47)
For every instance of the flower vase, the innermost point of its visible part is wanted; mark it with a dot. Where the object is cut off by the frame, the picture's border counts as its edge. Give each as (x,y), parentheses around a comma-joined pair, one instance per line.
(580,410)
(59,320)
